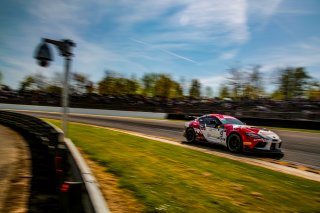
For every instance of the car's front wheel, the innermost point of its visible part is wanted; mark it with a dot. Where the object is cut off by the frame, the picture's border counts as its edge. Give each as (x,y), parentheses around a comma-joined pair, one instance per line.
(190,135)
(235,143)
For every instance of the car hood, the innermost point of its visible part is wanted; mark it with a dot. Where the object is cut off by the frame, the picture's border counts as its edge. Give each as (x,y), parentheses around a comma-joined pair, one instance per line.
(252,129)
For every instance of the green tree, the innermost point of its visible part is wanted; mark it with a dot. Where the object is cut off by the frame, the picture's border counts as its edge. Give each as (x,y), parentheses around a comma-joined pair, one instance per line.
(300,81)
(40,81)
(224,91)
(293,82)
(195,89)
(176,90)
(90,87)
(163,86)
(133,86)
(107,86)
(114,84)
(37,82)
(27,83)
(277,95)
(81,84)
(53,89)
(160,85)
(249,91)
(148,83)
(313,91)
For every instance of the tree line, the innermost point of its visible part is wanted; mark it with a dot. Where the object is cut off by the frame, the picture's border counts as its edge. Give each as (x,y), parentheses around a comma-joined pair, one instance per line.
(290,82)
(113,83)
(248,83)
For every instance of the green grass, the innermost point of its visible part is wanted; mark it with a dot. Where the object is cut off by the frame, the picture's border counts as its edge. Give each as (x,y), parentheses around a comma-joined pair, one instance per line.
(168,178)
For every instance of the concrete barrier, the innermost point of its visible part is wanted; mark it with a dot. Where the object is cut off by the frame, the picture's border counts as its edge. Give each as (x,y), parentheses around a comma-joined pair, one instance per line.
(85,111)
(79,190)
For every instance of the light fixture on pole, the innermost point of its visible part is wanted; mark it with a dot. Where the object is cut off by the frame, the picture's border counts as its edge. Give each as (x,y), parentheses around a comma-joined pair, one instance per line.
(44,56)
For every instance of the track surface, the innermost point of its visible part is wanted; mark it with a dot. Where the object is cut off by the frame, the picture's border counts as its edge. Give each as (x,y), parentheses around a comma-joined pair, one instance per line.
(15,167)
(298,147)
(26,179)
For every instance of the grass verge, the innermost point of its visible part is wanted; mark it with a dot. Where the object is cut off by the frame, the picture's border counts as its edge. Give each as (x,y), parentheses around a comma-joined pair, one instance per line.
(168,178)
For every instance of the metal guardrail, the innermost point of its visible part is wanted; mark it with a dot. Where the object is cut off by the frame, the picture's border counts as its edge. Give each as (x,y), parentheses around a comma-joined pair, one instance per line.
(76,185)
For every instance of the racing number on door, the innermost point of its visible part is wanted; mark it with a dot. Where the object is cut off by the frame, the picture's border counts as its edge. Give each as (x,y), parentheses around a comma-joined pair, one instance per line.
(222,136)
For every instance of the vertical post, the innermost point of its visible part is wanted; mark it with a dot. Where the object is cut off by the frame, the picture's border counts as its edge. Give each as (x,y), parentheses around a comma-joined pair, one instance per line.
(65,96)
(43,56)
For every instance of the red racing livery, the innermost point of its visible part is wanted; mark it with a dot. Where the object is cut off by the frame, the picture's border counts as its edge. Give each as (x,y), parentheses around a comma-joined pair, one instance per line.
(232,133)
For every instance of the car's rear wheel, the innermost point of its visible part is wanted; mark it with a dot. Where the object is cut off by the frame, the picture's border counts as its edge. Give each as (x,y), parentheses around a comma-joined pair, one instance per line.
(190,135)
(235,143)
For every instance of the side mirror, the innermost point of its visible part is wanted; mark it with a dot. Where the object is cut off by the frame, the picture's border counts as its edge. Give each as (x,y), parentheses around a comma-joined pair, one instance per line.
(43,55)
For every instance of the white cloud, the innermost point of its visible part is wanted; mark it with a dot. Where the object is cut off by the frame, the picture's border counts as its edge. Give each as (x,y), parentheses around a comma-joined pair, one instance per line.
(53,12)
(304,54)
(265,8)
(260,12)
(228,55)
(187,20)
(165,51)
(133,12)
(178,28)
(208,21)
(15,70)
(214,81)
(215,18)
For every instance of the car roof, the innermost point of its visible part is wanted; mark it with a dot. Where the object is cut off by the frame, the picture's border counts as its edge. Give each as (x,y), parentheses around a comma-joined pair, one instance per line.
(220,116)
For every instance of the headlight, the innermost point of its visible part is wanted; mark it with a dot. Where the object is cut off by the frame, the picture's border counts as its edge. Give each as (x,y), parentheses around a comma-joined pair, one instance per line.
(253,135)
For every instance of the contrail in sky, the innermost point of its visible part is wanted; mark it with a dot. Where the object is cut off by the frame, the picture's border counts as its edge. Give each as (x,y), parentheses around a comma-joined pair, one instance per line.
(163,50)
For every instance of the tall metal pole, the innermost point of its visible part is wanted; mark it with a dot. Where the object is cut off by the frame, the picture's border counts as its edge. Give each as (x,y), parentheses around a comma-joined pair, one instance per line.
(43,56)
(65,96)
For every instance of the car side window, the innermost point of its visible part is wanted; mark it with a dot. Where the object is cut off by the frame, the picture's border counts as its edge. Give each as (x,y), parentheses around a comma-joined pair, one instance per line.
(202,120)
(212,122)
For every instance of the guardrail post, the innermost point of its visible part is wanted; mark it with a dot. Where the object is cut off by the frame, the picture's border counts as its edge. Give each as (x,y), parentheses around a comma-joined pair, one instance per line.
(60,161)
(71,197)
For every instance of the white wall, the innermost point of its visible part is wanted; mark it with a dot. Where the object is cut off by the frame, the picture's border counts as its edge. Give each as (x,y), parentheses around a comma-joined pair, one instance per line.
(85,111)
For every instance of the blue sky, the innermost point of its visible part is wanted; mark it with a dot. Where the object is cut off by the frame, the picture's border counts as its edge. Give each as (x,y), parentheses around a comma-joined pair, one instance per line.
(185,38)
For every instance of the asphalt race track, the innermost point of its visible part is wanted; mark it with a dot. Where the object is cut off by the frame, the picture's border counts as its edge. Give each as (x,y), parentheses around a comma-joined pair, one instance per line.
(299,147)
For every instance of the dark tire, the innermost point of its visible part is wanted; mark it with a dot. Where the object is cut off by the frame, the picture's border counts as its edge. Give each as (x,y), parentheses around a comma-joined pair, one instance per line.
(190,135)
(235,143)
(278,156)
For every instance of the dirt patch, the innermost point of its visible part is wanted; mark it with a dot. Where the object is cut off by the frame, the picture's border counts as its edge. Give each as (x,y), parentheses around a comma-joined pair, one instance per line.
(119,200)
(15,172)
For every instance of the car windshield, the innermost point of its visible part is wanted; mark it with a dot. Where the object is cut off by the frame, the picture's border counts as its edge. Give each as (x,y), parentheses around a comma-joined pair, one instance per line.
(231,121)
